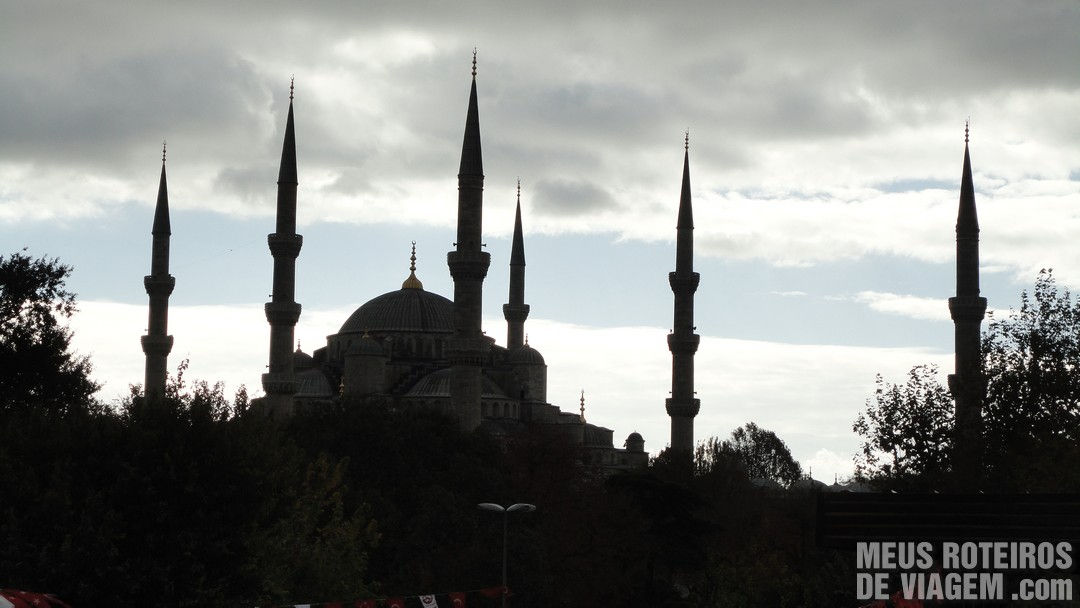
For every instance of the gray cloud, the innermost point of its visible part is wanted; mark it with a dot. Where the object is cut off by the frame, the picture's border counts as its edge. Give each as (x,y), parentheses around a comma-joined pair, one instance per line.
(91,112)
(570,198)
(783,99)
(251,183)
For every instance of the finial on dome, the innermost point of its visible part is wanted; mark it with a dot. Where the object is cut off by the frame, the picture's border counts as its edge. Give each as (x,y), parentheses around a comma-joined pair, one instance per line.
(292,83)
(583,405)
(298,346)
(526,339)
(412,282)
(519,191)
(686,141)
(163,151)
(474,62)
(967,125)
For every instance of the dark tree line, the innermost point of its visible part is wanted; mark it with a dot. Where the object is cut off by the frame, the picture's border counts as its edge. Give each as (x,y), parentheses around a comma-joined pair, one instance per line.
(202,500)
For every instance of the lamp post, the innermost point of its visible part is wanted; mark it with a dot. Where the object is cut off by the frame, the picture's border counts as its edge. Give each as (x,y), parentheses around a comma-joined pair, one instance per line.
(506,511)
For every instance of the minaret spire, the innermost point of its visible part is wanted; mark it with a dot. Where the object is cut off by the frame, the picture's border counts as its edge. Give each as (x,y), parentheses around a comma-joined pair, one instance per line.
(472,162)
(515,311)
(468,349)
(159,284)
(411,282)
(282,311)
(967,308)
(683,406)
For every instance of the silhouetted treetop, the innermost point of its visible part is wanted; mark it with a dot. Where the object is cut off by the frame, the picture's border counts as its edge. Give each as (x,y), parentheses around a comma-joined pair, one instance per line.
(39,370)
(1031,413)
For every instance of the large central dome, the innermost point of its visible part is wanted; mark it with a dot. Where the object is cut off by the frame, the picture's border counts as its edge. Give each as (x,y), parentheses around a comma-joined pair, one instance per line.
(407,309)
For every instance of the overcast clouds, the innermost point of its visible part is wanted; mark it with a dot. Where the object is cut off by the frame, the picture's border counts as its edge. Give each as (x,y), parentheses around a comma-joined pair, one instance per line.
(825,136)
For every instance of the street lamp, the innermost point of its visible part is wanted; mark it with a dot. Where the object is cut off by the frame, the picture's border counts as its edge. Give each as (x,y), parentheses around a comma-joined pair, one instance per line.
(490,506)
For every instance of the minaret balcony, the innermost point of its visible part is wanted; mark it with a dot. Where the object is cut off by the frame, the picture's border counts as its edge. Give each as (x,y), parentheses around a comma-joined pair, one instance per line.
(467,350)
(278,384)
(515,313)
(157,345)
(683,344)
(478,343)
(684,282)
(282,313)
(683,408)
(159,285)
(284,244)
(967,308)
(468,264)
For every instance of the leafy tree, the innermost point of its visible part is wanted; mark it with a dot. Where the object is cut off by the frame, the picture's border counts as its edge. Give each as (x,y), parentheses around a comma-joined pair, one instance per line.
(757,540)
(39,370)
(906,429)
(756,451)
(1031,413)
(1032,410)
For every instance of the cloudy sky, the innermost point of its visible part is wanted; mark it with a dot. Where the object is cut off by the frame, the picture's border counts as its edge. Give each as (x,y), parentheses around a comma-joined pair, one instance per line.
(826,148)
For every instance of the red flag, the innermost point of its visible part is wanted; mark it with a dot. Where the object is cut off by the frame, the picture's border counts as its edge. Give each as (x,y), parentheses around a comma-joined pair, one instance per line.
(10,597)
(457,600)
(395,602)
(20,599)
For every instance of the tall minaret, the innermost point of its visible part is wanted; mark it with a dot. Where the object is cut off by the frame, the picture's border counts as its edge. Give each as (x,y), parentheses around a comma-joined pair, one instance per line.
(468,267)
(967,308)
(282,311)
(159,285)
(682,341)
(516,310)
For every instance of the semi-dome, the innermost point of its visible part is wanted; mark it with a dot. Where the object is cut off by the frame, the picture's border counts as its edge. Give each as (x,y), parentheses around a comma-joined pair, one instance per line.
(437,384)
(366,346)
(302,360)
(525,355)
(312,383)
(408,309)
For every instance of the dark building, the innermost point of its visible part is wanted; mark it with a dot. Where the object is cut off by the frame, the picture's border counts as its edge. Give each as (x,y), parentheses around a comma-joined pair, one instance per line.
(282,311)
(157,344)
(683,405)
(967,385)
(411,348)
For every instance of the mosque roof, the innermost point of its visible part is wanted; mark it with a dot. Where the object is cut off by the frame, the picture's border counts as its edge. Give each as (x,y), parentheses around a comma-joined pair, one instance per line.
(408,309)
